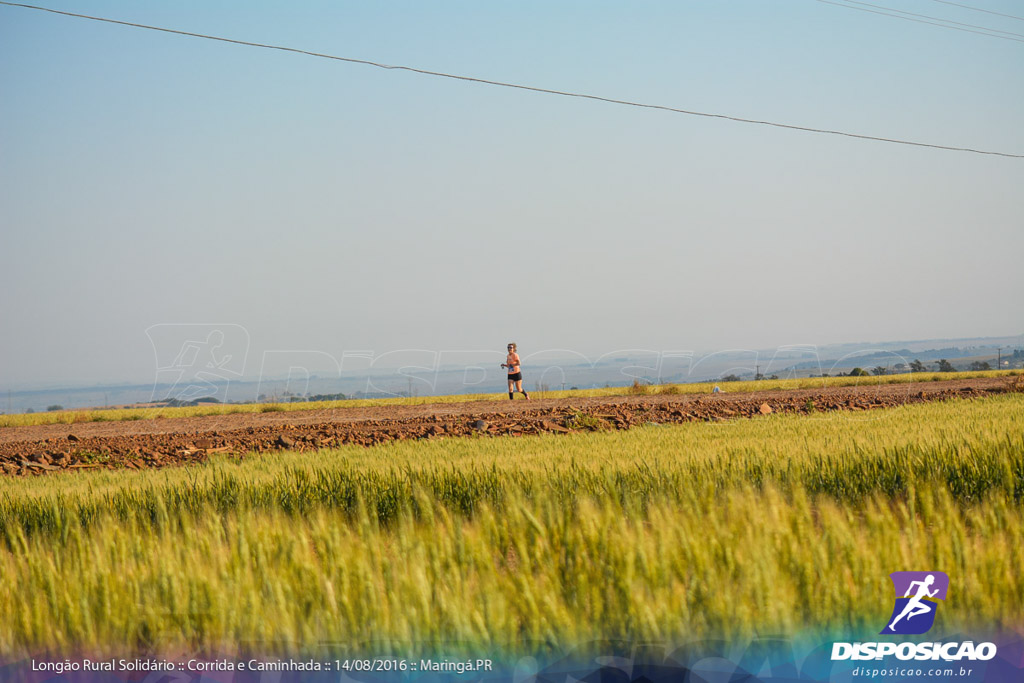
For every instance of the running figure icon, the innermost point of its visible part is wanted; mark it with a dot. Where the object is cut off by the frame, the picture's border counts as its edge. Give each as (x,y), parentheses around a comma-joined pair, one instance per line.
(916,605)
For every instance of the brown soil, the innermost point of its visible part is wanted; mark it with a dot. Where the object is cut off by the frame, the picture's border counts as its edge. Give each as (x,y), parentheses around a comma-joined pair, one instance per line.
(161,442)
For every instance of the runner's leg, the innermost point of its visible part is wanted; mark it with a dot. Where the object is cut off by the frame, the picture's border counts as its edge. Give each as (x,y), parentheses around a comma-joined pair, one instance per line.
(906,609)
(920,609)
(519,387)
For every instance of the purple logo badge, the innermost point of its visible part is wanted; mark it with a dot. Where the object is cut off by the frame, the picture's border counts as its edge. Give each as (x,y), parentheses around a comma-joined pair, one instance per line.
(917,596)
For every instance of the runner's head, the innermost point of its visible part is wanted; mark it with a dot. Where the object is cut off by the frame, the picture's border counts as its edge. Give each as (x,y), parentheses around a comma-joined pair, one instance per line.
(511,347)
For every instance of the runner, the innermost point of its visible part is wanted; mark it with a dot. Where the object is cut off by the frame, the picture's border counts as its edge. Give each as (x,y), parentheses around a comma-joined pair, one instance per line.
(515,374)
(915,606)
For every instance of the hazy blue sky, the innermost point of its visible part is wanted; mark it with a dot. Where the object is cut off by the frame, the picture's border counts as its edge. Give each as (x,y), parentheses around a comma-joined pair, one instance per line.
(152,179)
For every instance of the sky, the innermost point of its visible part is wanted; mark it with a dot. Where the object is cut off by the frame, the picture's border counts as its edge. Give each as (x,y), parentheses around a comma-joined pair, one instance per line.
(156,182)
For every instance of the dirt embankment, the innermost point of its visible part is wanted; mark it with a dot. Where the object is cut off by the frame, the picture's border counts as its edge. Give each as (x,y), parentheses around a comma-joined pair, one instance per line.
(162,442)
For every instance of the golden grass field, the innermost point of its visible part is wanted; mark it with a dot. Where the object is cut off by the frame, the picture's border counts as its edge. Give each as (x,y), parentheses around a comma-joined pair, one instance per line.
(780,525)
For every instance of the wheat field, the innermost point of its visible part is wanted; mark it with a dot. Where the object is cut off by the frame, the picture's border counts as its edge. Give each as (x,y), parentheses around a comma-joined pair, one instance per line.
(781,525)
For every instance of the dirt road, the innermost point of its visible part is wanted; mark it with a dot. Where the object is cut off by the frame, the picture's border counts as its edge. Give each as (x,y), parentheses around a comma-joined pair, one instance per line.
(143,444)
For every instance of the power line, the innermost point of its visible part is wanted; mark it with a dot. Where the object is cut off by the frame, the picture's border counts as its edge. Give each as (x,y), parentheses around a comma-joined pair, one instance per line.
(945,21)
(942,23)
(517,86)
(978,9)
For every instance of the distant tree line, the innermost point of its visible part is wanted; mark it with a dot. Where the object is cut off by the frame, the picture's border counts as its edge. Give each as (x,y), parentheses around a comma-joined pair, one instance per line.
(318,397)
(178,403)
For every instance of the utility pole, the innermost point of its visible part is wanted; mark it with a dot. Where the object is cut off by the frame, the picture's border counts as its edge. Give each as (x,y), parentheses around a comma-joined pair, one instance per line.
(999,358)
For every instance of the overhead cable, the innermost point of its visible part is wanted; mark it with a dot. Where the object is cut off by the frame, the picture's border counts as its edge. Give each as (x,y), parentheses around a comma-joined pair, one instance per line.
(518,86)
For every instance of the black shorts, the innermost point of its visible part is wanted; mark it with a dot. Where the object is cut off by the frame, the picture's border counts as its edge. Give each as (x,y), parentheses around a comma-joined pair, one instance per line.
(517,377)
